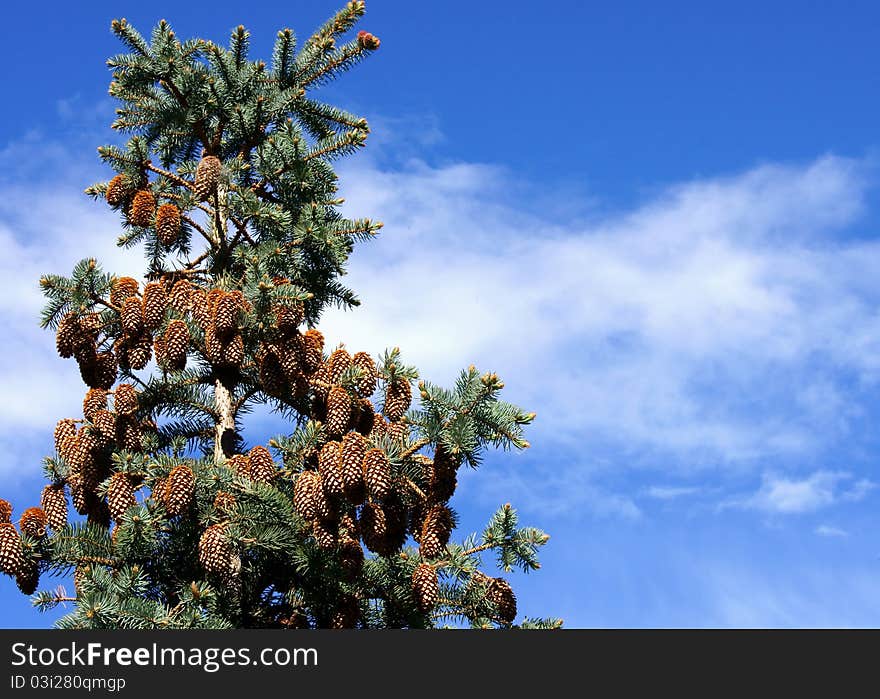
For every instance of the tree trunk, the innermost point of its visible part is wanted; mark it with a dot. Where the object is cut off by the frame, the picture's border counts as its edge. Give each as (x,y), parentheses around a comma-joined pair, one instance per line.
(224,430)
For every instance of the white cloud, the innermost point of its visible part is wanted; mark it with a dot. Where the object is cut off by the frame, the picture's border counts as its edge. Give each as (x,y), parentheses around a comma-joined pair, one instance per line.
(830,531)
(709,326)
(685,325)
(779,494)
(664,492)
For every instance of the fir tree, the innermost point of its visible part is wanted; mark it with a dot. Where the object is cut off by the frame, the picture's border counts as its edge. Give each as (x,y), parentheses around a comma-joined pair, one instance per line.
(228,184)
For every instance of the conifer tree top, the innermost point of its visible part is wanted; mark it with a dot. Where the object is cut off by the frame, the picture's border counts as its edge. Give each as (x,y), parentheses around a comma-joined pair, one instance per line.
(344,521)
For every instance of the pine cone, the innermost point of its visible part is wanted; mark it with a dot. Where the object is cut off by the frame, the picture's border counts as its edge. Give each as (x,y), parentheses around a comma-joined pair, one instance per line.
(28,577)
(11,557)
(143,209)
(79,495)
(263,468)
(176,343)
(291,359)
(436,530)
(226,314)
(68,336)
(221,353)
(216,553)
(348,526)
(330,468)
(354,446)
(500,593)
(181,296)
(377,474)
(132,316)
(366,384)
(121,288)
(224,502)
(159,351)
(64,428)
(443,480)
(272,377)
(129,434)
(139,349)
(337,363)
(374,527)
(319,382)
(306,492)
(379,428)
(125,401)
(54,504)
(104,371)
(33,522)
(240,465)
(167,224)
(313,350)
(207,177)
(80,577)
(288,317)
(95,400)
(118,190)
(105,423)
(179,489)
(338,410)
(425,587)
(155,302)
(324,532)
(398,431)
(120,495)
(200,308)
(5,511)
(398,396)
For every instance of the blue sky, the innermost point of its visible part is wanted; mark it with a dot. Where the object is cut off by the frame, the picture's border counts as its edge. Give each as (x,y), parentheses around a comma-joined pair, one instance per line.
(659,224)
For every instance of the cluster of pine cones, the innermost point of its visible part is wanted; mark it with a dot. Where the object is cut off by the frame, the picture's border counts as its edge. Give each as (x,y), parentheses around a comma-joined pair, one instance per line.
(13,559)
(141,206)
(86,451)
(141,209)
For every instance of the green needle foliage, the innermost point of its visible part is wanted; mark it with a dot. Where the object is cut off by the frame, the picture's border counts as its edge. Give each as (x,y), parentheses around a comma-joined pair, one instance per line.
(227,183)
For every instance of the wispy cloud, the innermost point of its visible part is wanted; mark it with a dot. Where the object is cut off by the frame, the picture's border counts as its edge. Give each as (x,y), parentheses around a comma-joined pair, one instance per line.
(711,327)
(830,531)
(663,492)
(783,495)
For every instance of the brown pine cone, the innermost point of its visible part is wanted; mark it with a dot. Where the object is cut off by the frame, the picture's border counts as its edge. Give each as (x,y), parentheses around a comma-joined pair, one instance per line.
(207,177)
(398,396)
(132,316)
(143,209)
(155,302)
(306,493)
(338,411)
(54,504)
(313,350)
(354,446)
(330,468)
(366,384)
(167,224)
(118,190)
(33,522)
(175,344)
(425,587)
(121,288)
(263,468)
(125,400)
